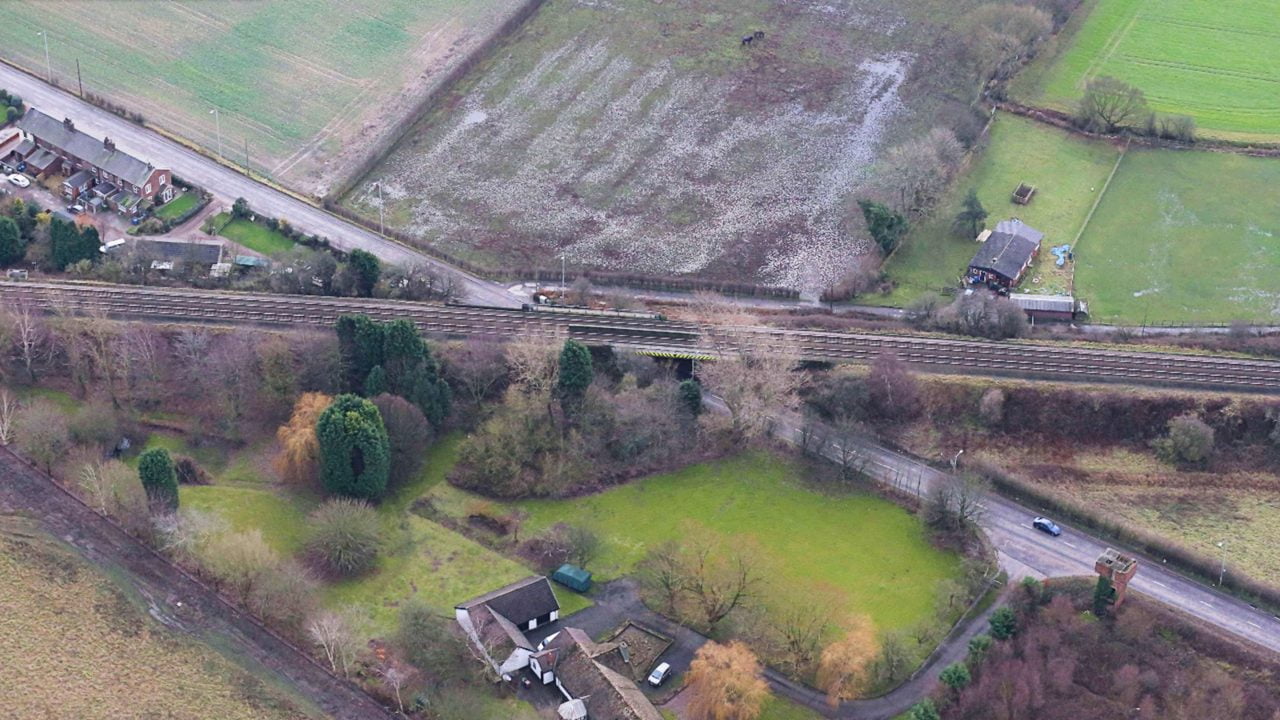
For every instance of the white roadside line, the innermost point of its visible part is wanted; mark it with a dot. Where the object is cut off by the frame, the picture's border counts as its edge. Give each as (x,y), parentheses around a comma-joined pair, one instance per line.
(1157,582)
(1254,624)
(1206,604)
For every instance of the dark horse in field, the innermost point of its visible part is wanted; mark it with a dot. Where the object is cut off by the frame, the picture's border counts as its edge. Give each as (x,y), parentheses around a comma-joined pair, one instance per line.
(748,39)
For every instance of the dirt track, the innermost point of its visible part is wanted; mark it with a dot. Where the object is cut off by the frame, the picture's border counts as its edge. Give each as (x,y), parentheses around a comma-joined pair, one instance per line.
(177,600)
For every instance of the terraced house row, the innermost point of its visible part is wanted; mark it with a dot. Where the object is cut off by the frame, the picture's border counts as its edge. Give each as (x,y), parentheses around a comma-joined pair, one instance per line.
(96,174)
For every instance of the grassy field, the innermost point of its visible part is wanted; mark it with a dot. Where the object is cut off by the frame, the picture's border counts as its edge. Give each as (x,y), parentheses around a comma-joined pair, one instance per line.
(644,136)
(869,555)
(1068,174)
(258,238)
(423,560)
(177,206)
(76,643)
(1218,62)
(1184,238)
(306,83)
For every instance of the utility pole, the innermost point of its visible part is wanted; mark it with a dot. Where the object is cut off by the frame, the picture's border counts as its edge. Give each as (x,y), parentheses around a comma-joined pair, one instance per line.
(217,120)
(564,292)
(79,79)
(48,67)
(246,154)
(1222,574)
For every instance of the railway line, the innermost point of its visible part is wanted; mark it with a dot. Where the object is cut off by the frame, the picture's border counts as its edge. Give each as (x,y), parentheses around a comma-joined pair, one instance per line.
(657,336)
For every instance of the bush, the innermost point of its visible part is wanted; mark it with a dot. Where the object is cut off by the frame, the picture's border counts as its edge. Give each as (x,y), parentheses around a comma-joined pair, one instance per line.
(1189,440)
(991,407)
(924,710)
(955,676)
(283,594)
(344,537)
(95,424)
(978,647)
(1004,623)
(189,471)
(240,208)
(238,560)
(408,436)
(430,642)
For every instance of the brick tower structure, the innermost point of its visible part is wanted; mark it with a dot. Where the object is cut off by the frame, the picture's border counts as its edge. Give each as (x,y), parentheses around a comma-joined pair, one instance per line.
(1117,568)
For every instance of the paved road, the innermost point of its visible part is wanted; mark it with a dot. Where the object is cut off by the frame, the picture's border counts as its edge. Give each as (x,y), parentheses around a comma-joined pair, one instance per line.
(227,184)
(1026,551)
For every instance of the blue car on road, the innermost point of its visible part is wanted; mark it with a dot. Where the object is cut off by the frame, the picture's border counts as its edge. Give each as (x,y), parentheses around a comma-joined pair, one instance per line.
(1046,525)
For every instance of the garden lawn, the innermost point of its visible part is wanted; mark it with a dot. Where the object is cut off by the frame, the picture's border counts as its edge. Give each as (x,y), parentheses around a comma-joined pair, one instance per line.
(1184,237)
(1068,174)
(177,206)
(280,515)
(258,238)
(428,562)
(1218,62)
(869,555)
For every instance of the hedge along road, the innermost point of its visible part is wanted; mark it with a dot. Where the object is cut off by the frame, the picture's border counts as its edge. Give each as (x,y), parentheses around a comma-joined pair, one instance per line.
(176,600)
(228,184)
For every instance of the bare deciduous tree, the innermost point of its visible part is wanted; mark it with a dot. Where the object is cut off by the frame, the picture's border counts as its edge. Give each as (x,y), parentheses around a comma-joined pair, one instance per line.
(395,677)
(1109,105)
(334,631)
(845,665)
(663,575)
(719,582)
(8,414)
(41,431)
(31,337)
(534,361)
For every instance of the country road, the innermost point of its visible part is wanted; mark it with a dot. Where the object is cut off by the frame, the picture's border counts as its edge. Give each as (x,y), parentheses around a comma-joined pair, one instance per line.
(227,184)
(1026,551)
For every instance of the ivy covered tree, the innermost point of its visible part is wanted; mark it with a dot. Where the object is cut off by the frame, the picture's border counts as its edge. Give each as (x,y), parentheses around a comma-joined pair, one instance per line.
(11,246)
(392,358)
(376,383)
(68,245)
(355,457)
(575,376)
(1102,593)
(690,393)
(886,226)
(367,270)
(159,479)
(360,342)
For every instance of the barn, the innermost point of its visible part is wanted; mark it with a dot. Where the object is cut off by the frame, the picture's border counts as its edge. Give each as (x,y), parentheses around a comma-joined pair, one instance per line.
(1046,307)
(1005,255)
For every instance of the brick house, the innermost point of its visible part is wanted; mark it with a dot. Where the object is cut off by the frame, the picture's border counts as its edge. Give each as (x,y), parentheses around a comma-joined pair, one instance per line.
(1005,255)
(97,171)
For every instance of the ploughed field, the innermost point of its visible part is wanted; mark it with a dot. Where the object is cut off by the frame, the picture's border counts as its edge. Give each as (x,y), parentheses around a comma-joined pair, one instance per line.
(1218,62)
(311,85)
(647,137)
(76,642)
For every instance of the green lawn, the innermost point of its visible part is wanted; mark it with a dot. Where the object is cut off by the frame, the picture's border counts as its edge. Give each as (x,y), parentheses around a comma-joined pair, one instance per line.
(1216,61)
(258,238)
(776,708)
(869,555)
(1185,238)
(177,206)
(1068,174)
(281,516)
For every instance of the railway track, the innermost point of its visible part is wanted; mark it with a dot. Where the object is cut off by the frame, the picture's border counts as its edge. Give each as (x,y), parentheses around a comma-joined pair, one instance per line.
(657,336)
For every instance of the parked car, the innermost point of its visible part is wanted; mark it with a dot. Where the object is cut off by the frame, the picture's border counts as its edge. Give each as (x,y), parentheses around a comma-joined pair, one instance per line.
(75,209)
(1046,525)
(660,674)
(19,180)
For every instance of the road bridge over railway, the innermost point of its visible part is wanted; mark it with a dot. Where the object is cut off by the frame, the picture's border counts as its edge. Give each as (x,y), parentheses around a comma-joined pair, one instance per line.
(661,337)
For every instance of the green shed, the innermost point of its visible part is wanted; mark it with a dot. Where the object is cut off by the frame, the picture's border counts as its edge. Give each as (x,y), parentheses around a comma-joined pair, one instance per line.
(573,577)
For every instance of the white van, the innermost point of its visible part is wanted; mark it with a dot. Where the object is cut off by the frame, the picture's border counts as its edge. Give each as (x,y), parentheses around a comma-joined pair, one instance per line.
(111,245)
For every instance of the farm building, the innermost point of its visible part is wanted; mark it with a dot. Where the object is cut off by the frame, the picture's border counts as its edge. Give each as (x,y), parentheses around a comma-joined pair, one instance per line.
(1046,307)
(1005,255)
(118,180)
(595,678)
(495,622)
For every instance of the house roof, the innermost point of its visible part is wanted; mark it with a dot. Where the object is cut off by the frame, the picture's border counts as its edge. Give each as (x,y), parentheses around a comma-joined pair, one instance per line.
(80,179)
(605,692)
(85,147)
(1051,303)
(41,159)
(497,632)
(520,601)
(202,253)
(1008,249)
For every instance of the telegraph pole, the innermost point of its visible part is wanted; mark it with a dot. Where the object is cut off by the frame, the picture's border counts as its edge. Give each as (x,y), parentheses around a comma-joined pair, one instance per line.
(217,119)
(48,67)
(79,79)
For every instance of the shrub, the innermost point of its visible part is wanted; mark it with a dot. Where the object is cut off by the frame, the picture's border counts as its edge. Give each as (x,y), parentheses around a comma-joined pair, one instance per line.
(978,647)
(955,676)
(284,594)
(238,559)
(408,436)
(1004,623)
(429,642)
(344,536)
(240,208)
(1189,440)
(96,425)
(691,398)
(924,710)
(155,470)
(189,471)
(991,407)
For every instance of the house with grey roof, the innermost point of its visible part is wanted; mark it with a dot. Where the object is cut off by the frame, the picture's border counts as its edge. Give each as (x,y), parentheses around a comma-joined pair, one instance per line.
(1005,255)
(94,168)
(496,621)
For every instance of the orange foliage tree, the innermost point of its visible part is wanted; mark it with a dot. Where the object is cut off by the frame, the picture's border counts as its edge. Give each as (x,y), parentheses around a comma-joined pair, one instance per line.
(845,665)
(727,683)
(298,461)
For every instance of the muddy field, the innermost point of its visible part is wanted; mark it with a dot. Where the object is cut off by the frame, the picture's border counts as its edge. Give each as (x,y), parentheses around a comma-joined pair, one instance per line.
(648,137)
